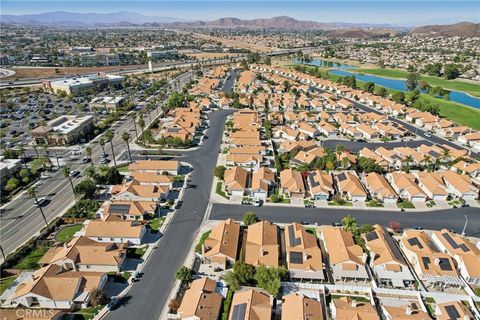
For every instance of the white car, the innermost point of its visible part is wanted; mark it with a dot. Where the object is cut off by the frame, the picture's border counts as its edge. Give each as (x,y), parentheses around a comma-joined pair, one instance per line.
(257,202)
(427,134)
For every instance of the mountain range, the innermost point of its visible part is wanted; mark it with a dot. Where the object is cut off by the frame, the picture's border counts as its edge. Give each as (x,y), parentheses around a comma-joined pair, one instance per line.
(126,19)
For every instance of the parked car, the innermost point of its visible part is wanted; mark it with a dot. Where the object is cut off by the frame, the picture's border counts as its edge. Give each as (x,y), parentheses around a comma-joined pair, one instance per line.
(257,202)
(86,160)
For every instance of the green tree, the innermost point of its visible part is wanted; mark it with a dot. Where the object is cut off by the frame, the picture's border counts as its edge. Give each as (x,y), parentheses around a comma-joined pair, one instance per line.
(242,274)
(12,184)
(412,81)
(184,274)
(350,223)
(269,278)
(219,172)
(66,174)
(109,135)
(250,218)
(101,142)
(451,71)
(97,297)
(369,86)
(141,124)
(88,152)
(86,189)
(32,193)
(398,97)
(126,138)
(382,92)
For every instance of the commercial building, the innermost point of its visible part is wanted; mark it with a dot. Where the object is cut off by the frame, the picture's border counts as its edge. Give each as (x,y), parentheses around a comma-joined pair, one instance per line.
(76,86)
(63,130)
(106,103)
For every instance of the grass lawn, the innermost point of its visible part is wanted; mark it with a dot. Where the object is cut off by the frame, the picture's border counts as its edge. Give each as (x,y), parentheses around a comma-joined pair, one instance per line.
(334,203)
(374,204)
(6,282)
(66,233)
(123,168)
(312,231)
(30,261)
(136,253)
(198,247)
(219,190)
(87,313)
(457,85)
(156,223)
(406,205)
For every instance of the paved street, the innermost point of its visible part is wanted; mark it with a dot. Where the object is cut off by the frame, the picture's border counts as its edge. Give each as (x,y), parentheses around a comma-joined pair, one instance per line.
(150,294)
(452,219)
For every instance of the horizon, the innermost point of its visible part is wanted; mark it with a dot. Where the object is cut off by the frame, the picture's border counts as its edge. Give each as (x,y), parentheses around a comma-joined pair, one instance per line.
(367,12)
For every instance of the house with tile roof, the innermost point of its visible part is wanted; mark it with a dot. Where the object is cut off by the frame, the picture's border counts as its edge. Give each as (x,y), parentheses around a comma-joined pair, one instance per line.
(379,188)
(127,210)
(461,186)
(262,182)
(56,288)
(236,180)
(221,246)
(349,186)
(433,186)
(347,259)
(304,257)
(251,304)
(297,306)
(114,230)
(201,301)
(386,260)
(455,310)
(292,184)
(406,187)
(320,184)
(262,244)
(404,310)
(155,166)
(346,308)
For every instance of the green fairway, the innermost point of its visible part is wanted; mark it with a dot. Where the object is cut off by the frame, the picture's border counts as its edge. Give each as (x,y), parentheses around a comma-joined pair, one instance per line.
(457,85)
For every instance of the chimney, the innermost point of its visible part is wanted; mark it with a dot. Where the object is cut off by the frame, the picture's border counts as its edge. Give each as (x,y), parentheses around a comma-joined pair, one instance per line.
(409,310)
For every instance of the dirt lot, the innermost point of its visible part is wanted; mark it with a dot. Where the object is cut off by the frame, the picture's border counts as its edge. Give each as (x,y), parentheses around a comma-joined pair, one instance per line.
(234,43)
(211,55)
(38,72)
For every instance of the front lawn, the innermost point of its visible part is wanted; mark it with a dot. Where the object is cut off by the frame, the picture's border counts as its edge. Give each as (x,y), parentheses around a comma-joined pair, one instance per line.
(123,168)
(30,261)
(219,190)
(312,231)
(66,233)
(136,253)
(373,204)
(335,203)
(87,313)
(198,247)
(5,283)
(156,223)
(405,205)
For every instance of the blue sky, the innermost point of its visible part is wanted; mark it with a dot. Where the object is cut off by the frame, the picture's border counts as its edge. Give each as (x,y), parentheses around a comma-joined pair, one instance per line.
(323,11)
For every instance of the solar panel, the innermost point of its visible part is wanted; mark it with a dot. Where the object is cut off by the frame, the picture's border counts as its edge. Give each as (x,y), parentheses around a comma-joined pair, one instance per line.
(239,311)
(444,264)
(450,240)
(464,247)
(341,177)
(452,312)
(291,237)
(434,154)
(426,262)
(371,236)
(395,250)
(119,208)
(415,242)
(432,245)
(313,183)
(296,257)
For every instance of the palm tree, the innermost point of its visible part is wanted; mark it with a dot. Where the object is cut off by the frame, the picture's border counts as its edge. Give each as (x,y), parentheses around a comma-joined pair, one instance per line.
(88,151)
(126,138)
(426,161)
(66,174)
(32,193)
(22,156)
(101,142)
(109,135)
(133,116)
(36,150)
(339,150)
(90,172)
(141,123)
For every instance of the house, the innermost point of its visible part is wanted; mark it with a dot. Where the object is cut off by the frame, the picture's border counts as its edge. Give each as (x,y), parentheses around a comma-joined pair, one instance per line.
(297,306)
(432,184)
(349,186)
(134,191)
(405,186)
(304,257)
(367,131)
(262,244)
(320,184)
(379,188)
(404,310)
(127,210)
(201,301)
(84,254)
(367,153)
(262,182)
(220,247)
(152,179)
(171,167)
(453,310)
(465,253)
(346,308)
(251,304)
(54,287)
(470,169)
(249,161)
(236,180)
(431,265)
(118,231)
(327,129)
(347,259)
(292,184)
(460,185)
(303,158)
(386,260)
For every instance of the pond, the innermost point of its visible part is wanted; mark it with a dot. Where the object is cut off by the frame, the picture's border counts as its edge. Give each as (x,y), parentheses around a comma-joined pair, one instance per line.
(395,84)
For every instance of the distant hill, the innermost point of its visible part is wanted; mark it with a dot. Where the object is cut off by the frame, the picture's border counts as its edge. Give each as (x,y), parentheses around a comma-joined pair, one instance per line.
(465,29)
(282,22)
(363,33)
(83,19)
